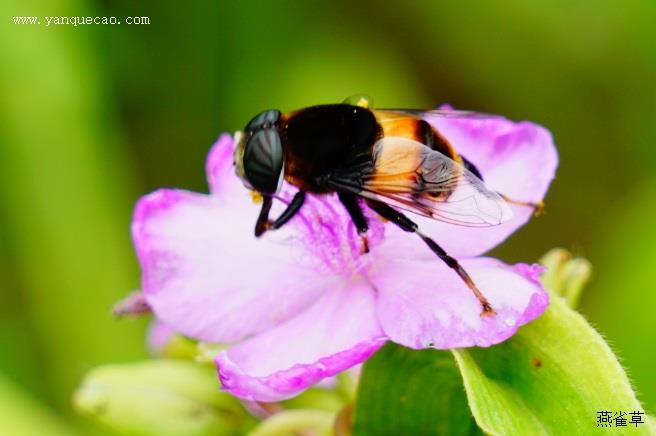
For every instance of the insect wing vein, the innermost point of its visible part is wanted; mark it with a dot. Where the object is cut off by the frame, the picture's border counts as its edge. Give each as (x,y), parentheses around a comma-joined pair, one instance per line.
(410,175)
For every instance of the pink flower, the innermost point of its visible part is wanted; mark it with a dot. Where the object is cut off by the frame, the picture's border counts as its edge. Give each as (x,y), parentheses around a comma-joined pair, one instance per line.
(302,303)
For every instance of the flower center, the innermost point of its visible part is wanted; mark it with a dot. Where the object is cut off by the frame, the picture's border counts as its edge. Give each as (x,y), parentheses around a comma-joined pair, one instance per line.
(331,239)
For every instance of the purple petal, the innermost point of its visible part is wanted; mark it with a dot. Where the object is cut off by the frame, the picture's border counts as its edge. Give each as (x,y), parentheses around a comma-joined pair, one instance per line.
(424,304)
(208,277)
(158,336)
(219,167)
(340,330)
(518,160)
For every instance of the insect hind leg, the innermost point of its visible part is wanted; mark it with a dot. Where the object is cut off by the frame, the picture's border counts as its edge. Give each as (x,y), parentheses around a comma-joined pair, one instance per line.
(410,226)
(538,208)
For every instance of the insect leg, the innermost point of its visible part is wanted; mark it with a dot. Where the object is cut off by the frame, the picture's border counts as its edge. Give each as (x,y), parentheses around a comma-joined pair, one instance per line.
(263,223)
(538,208)
(292,209)
(353,208)
(410,226)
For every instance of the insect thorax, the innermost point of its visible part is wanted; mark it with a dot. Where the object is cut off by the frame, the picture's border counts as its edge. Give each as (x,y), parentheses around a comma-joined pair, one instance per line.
(321,140)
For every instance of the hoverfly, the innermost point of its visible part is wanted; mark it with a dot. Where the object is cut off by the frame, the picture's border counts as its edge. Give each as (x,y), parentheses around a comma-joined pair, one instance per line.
(391,158)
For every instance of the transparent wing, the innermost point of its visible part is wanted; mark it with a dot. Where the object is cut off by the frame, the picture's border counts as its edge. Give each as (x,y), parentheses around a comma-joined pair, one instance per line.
(409,175)
(441,113)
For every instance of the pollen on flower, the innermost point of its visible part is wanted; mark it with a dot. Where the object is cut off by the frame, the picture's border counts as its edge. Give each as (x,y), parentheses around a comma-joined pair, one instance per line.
(256,196)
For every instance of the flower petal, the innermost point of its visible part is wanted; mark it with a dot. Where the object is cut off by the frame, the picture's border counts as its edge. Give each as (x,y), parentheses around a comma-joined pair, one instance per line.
(158,335)
(219,166)
(340,330)
(518,160)
(206,276)
(424,304)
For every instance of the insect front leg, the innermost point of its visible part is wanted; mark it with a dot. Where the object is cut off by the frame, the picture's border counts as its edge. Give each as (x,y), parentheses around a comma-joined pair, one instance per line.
(410,226)
(263,223)
(353,208)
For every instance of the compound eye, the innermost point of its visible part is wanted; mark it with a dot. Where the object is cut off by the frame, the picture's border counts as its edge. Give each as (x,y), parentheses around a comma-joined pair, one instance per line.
(263,161)
(263,120)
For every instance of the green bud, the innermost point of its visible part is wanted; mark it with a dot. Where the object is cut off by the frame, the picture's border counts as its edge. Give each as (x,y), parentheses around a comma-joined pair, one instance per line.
(179,347)
(160,397)
(316,398)
(347,384)
(207,351)
(553,261)
(565,276)
(296,421)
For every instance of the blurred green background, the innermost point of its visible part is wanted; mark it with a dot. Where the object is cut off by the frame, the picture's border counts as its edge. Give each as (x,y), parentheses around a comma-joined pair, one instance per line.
(92,117)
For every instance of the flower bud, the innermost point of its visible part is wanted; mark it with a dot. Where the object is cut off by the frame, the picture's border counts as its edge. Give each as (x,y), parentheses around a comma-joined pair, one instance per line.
(160,397)
(565,276)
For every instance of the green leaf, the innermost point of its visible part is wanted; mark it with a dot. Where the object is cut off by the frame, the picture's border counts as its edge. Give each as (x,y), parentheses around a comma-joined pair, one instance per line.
(552,377)
(160,397)
(404,391)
